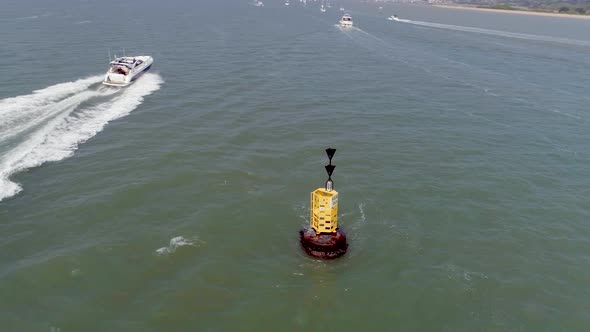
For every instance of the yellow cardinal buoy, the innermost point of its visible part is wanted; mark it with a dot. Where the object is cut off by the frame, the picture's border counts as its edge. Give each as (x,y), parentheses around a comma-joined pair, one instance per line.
(323,238)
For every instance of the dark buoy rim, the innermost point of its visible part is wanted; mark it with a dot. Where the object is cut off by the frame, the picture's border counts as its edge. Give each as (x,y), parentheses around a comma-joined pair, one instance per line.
(325,246)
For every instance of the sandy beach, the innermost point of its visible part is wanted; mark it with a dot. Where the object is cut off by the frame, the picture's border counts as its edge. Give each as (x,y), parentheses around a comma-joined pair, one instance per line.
(518,12)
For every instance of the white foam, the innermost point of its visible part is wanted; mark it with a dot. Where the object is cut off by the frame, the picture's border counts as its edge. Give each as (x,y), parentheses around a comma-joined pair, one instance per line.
(19,113)
(46,96)
(17,122)
(499,33)
(362,211)
(32,17)
(175,243)
(367,40)
(60,136)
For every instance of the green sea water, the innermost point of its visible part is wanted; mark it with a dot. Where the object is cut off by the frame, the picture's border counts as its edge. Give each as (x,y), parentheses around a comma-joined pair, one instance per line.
(463,168)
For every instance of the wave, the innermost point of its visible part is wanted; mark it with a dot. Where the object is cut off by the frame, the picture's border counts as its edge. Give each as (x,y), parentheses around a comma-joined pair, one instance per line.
(61,127)
(15,123)
(32,17)
(365,39)
(352,28)
(177,242)
(499,33)
(47,95)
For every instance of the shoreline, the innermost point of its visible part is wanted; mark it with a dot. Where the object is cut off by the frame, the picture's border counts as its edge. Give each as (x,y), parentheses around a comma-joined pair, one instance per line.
(515,11)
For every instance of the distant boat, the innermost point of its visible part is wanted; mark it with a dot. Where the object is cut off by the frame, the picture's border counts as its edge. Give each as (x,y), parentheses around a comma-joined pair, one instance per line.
(287,3)
(258,3)
(346,21)
(394,18)
(341,9)
(124,70)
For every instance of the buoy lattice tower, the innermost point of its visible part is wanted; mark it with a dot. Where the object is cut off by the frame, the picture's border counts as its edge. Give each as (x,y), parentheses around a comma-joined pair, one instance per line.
(323,238)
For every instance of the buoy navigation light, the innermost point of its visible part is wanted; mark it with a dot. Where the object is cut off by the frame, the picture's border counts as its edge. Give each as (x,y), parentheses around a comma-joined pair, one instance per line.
(323,238)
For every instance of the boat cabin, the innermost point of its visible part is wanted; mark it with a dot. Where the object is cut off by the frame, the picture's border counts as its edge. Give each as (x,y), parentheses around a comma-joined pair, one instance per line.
(124,65)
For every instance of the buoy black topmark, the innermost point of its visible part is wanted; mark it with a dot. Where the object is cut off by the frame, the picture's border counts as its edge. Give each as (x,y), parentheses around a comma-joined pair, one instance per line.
(323,238)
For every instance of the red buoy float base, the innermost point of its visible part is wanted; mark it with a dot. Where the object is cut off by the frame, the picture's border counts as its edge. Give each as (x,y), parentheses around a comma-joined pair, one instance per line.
(324,246)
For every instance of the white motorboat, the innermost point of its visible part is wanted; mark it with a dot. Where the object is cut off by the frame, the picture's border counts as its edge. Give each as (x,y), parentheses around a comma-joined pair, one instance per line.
(323,9)
(341,9)
(346,20)
(393,18)
(258,3)
(125,70)
(287,3)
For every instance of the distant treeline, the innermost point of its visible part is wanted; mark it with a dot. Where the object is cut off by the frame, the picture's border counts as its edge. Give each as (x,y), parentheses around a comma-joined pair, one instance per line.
(555,6)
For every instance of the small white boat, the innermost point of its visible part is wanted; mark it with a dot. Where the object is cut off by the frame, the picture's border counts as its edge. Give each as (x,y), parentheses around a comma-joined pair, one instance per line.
(258,3)
(346,20)
(125,70)
(393,18)
(323,9)
(287,3)
(341,9)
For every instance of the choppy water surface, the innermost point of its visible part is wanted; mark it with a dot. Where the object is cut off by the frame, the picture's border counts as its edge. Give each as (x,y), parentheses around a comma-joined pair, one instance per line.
(175,203)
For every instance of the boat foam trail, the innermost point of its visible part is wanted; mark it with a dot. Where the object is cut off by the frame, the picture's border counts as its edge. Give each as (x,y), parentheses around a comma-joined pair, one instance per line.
(46,96)
(60,136)
(18,114)
(499,33)
(17,122)
(369,41)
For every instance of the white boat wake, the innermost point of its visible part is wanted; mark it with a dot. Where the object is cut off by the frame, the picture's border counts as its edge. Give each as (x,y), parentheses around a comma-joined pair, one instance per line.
(352,28)
(52,124)
(498,33)
(366,40)
(21,114)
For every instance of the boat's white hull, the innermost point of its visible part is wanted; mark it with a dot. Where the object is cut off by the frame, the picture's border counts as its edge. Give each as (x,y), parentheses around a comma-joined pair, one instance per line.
(346,24)
(120,80)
